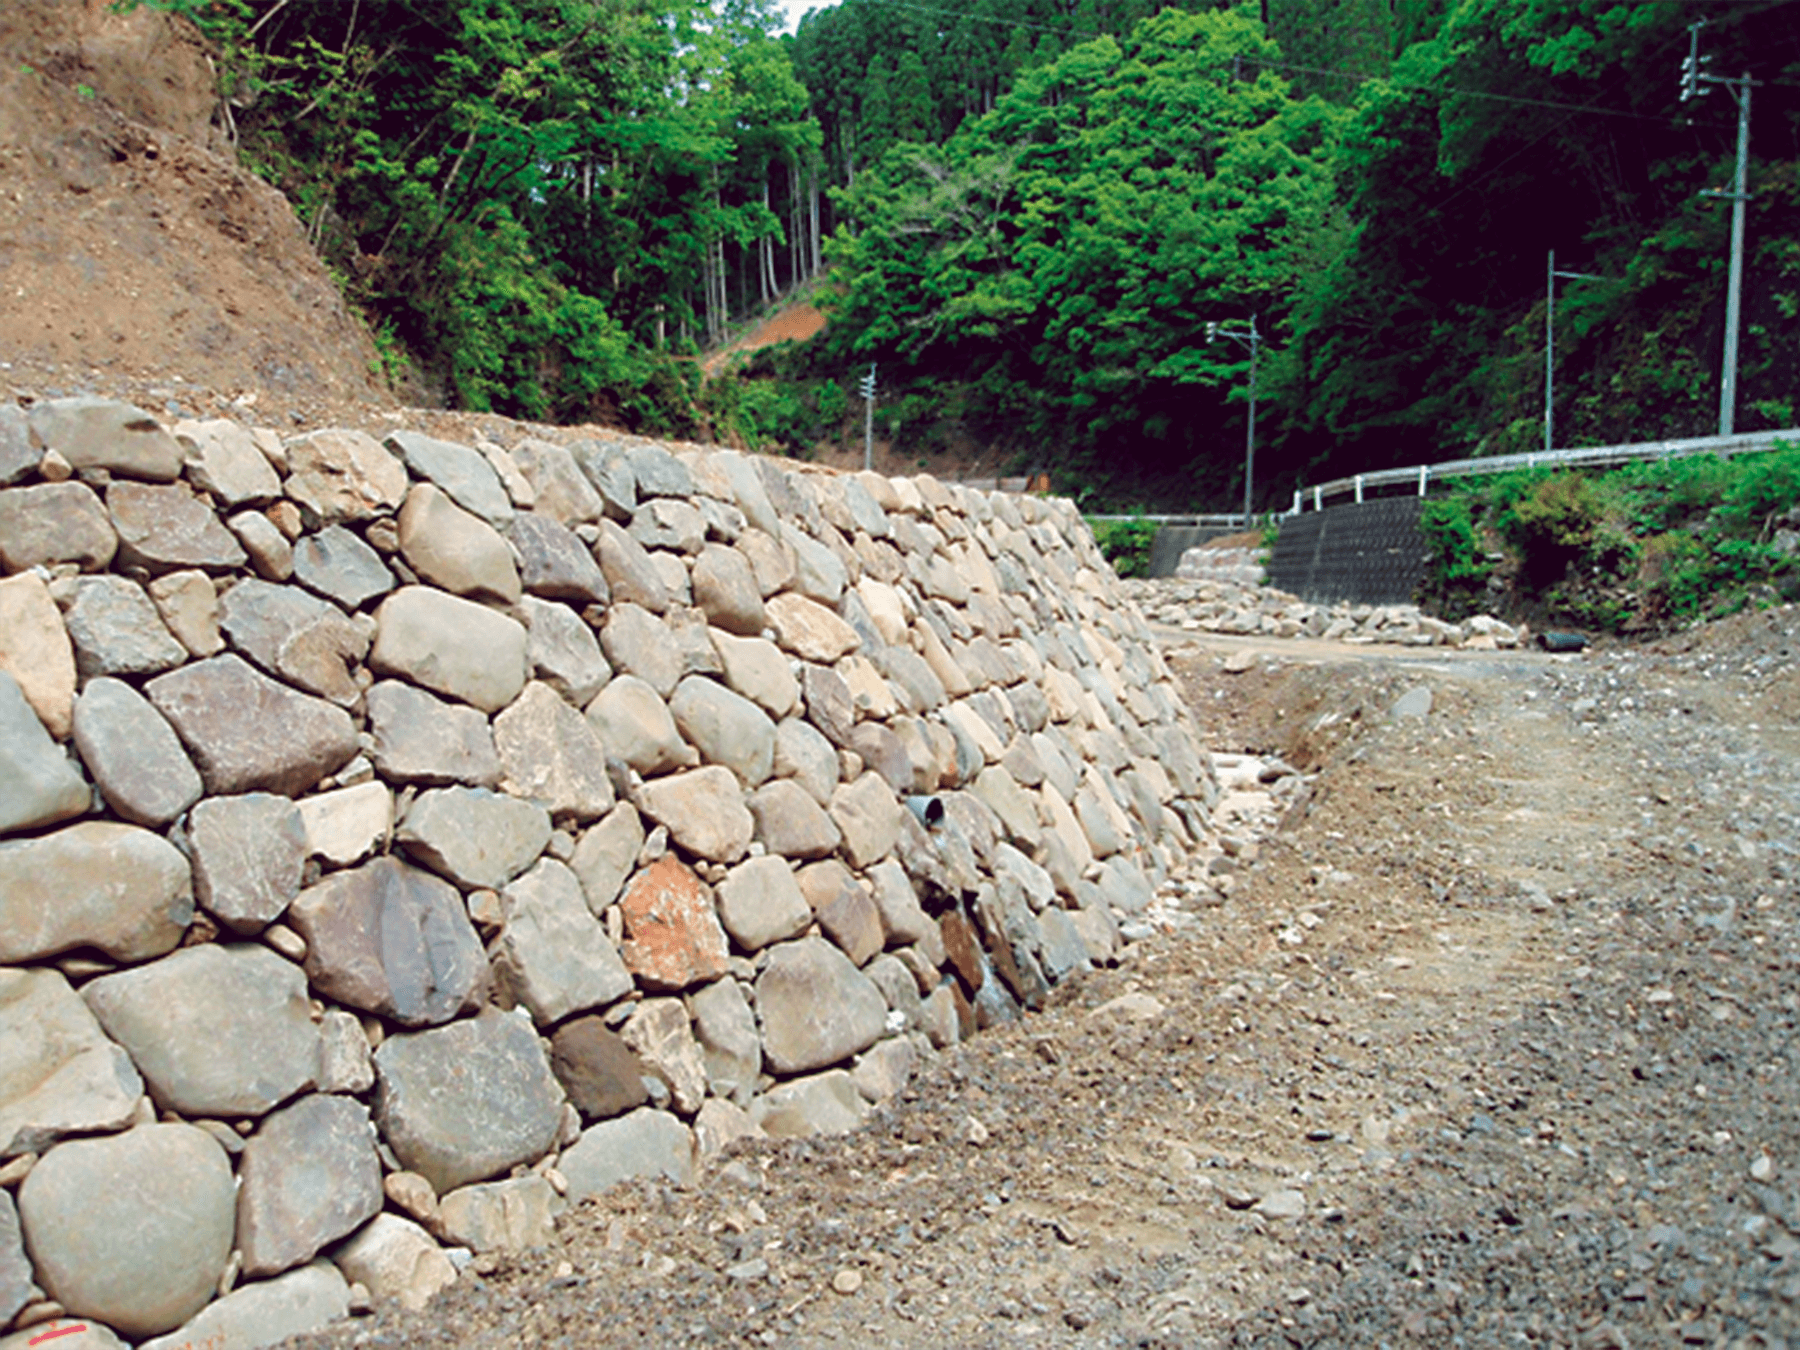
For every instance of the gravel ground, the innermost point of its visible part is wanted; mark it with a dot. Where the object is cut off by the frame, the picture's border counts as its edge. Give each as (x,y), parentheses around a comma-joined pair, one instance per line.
(1485,1038)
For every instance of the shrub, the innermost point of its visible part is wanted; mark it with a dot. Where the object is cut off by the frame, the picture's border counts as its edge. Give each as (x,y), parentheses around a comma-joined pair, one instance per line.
(1126,544)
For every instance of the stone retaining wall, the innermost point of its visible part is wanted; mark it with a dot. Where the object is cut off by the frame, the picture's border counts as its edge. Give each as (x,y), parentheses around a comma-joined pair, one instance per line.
(400,842)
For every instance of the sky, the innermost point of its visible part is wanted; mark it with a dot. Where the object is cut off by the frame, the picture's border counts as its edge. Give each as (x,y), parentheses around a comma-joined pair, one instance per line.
(795,9)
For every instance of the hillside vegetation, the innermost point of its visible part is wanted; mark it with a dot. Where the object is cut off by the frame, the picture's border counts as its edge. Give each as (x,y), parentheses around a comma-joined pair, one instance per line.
(1027,214)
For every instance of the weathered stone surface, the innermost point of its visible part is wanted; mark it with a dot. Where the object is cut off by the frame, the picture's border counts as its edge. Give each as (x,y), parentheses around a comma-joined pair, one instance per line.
(803,754)
(605,855)
(885,1069)
(340,566)
(164,529)
(465,1102)
(554,563)
(308,1176)
(607,467)
(843,907)
(346,825)
(657,472)
(265,1313)
(755,668)
(501,1216)
(38,783)
(170,1016)
(59,1074)
(672,936)
(35,650)
(902,918)
(818,572)
(729,1045)
(246,732)
(474,837)
(563,492)
(16,1285)
(553,956)
(868,813)
(454,549)
(816,1007)
(248,854)
(94,884)
(220,457)
(340,475)
(421,739)
(659,1032)
(760,902)
(393,940)
(132,1229)
(602,1075)
(18,456)
(668,523)
(824,1103)
(639,643)
(646,1143)
(189,605)
(461,473)
(828,704)
(296,637)
(268,549)
(704,811)
(104,433)
(634,726)
(551,755)
(394,1258)
(1064,948)
(809,630)
(1124,886)
(725,588)
(53,523)
(789,822)
(563,651)
(630,574)
(726,728)
(450,645)
(117,631)
(135,758)
(771,560)
(344,1063)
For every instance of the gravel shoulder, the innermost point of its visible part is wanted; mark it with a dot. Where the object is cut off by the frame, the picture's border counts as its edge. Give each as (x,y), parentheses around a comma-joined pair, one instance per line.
(1486,1036)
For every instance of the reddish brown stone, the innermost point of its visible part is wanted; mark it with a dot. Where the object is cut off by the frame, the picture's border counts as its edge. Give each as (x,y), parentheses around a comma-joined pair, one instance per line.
(962,946)
(672,936)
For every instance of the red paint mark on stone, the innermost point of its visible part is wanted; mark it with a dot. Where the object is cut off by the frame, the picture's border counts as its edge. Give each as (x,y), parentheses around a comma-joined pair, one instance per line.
(60,1331)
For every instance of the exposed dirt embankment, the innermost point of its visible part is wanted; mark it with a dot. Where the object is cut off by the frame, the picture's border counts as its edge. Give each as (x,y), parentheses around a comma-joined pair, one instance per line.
(133,259)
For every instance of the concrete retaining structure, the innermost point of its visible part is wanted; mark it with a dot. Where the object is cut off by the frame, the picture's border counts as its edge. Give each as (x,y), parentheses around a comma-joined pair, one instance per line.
(1368,553)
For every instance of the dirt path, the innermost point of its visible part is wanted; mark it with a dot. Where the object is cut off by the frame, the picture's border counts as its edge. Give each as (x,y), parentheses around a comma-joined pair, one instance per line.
(1490,1043)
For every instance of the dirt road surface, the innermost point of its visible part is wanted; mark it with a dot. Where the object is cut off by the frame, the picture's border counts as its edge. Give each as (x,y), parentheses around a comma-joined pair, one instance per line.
(1490,1041)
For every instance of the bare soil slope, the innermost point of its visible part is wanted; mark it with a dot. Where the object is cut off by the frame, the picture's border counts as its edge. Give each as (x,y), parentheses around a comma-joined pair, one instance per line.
(134,260)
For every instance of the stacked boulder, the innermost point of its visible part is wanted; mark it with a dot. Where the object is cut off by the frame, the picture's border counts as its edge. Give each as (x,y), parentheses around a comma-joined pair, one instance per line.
(402,841)
(1227,599)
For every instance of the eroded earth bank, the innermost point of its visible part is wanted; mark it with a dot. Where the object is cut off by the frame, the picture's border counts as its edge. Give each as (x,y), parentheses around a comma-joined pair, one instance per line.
(1489,1040)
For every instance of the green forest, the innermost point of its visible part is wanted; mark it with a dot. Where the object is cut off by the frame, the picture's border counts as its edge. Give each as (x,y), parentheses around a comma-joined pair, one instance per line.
(1030,215)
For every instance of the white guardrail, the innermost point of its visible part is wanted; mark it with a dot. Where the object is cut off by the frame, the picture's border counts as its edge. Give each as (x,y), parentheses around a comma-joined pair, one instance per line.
(1423,474)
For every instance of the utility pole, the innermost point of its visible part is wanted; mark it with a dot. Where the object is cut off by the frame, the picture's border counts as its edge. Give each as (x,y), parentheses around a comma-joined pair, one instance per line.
(1250,338)
(1550,342)
(868,393)
(1696,83)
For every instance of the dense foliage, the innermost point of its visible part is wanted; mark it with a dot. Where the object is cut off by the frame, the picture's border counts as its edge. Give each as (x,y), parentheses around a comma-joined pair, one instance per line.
(1028,212)
(1641,549)
(541,199)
